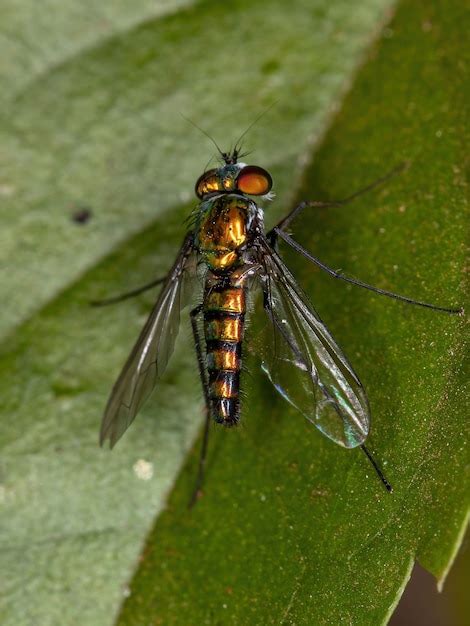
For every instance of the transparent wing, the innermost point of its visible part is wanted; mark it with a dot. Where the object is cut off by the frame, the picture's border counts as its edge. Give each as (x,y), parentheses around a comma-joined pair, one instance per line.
(149,356)
(305,364)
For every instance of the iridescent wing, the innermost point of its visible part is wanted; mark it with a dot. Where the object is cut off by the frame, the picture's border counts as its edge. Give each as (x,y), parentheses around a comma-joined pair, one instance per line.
(305,364)
(150,355)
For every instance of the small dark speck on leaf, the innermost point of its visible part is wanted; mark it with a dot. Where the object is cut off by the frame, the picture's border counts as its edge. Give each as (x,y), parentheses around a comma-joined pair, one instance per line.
(82,215)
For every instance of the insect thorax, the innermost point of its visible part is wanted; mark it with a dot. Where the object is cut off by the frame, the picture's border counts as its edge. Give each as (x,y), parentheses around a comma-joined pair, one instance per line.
(224,228)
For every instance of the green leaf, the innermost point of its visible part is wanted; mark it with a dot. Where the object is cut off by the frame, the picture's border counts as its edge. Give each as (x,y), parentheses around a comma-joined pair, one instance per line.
(90,108)
(291,529)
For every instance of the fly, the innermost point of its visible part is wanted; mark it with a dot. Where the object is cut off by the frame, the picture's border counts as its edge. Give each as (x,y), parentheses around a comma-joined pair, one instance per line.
(227,243)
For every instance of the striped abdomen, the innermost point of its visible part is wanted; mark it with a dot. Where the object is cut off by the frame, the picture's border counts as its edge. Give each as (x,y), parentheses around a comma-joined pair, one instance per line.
(224,318)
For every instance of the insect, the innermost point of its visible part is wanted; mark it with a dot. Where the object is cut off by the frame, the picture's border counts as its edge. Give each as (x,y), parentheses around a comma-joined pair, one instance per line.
(226,244)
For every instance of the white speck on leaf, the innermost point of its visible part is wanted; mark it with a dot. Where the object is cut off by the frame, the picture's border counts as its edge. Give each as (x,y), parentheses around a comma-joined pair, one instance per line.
(143,469)
(6,190)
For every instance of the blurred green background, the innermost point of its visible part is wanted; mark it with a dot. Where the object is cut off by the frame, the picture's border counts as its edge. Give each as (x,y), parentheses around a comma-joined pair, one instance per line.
(291,529)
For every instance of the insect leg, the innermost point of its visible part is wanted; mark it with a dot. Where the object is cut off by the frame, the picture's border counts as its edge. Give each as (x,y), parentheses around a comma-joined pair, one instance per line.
(205,387)
(298,248)
(379,472)
(129,294)
(285,222)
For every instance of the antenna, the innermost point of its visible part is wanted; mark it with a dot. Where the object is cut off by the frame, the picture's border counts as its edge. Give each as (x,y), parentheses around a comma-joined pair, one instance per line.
(222,154)
(232,155)
(237,143)
(379,472)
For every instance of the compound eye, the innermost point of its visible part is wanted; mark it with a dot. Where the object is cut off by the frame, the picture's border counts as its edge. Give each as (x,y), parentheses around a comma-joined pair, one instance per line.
(254,181)
(207,183)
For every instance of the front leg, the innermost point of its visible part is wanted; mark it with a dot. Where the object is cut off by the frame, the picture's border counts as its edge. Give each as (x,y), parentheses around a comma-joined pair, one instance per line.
(284,224)
(129,294)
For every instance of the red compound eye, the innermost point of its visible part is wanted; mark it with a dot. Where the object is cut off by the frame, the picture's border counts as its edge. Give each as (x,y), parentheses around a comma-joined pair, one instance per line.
(254,181)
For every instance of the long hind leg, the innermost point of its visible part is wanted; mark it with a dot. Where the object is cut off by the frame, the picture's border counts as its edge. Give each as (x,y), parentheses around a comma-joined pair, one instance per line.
(205,387)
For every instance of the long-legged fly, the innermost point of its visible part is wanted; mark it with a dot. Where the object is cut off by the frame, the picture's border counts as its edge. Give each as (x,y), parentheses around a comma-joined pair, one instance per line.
(227,245)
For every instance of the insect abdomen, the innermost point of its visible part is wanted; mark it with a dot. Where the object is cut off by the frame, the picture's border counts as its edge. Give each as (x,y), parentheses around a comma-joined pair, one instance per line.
(224,318)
